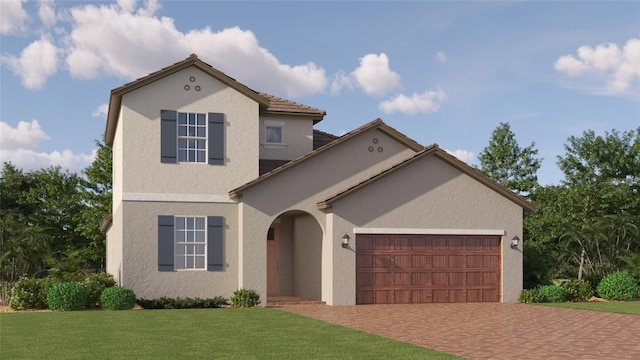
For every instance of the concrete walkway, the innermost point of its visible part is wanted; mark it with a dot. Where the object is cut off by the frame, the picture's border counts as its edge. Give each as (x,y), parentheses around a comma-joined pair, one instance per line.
(493,331)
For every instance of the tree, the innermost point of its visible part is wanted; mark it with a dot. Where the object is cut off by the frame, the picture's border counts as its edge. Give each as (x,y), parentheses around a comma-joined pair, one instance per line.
(602,177)
(505,162)
(97,194)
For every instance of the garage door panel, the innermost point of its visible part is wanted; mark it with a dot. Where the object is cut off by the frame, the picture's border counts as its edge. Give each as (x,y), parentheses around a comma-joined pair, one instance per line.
(394,269)
(402,279)
(383,279)
(457,261)
(439,278)
(439,261)
(421,278)
(384,261)
(365,278)
(364,261)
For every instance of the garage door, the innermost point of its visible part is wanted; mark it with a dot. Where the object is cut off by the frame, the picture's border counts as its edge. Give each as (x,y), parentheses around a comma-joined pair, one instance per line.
(402,269)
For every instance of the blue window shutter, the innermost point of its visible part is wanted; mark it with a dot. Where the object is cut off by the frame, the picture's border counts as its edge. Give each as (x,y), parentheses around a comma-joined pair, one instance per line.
(216,139)
(214,243)
(168,136)
(165,243)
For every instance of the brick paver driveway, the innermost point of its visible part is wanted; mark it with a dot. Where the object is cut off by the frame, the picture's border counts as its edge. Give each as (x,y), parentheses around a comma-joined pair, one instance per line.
(494,331)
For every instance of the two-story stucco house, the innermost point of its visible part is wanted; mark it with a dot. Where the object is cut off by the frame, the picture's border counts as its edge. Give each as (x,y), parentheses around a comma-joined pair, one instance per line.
(218,187)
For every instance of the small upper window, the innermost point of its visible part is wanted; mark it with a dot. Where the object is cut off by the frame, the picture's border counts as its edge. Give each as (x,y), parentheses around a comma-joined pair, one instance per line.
(192,137)
(274,135)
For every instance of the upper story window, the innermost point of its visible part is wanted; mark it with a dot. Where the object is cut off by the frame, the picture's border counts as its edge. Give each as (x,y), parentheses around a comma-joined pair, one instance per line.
(274,134)
(192,137)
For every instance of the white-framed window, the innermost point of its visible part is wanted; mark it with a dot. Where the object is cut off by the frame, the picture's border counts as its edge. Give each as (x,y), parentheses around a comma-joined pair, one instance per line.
(190,243)
(274,134)
(192,137)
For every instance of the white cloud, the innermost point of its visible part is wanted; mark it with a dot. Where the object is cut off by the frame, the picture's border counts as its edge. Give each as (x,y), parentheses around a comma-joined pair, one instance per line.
(12,17)
(101,111)
(116,40)
(418,103)
(19,146)
(37,62)
(47,13)
(464,155)
(340,81)
(441,57)
(374,75)
(618,68)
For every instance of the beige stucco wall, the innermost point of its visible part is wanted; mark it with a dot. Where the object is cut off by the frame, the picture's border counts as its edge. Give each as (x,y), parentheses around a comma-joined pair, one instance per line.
(428,194)
(140,262)
(114,255)
(297,135)
(307,264)
(300,188)
(140,128)
(286,255)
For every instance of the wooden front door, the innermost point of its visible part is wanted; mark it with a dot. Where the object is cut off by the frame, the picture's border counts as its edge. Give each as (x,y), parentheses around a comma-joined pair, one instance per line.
(273,259)
(396,269)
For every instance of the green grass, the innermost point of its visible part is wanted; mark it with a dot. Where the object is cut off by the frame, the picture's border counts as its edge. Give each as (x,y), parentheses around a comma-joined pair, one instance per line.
(197,333)
(620,307)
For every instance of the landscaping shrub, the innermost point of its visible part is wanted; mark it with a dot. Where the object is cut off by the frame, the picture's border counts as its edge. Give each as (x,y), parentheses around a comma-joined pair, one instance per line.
(553,293)
(66,296)
(117,298)
(576,290)
(29,294)
(618,286)
(94,285)
(245,298)
(183,303)
(531,296)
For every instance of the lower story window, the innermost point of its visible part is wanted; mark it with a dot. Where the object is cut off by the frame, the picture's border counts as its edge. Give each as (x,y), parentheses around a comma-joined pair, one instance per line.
(190,242)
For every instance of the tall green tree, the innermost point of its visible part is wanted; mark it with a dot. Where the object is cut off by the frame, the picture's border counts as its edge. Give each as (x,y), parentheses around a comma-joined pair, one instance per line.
(602,177)
(505,162)
(98,199)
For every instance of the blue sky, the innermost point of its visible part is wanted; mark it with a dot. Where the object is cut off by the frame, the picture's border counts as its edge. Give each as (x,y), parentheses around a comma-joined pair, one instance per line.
(440,72)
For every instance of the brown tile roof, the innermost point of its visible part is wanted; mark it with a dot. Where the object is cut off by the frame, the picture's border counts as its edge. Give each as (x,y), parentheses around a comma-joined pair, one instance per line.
(375,124)
(279,105)
(270,165)
(321,138)
(434,150)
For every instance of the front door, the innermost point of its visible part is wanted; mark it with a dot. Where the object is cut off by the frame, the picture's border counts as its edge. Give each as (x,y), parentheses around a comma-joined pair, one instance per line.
(273,259)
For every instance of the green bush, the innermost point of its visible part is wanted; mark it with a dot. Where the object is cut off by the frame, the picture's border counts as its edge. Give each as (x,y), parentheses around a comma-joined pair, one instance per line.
(29,294)
(94,285)
(183,303)
(618,286)
(66,296)
(531,296)
(577,290)
(117,298)
(553,293)
(245,298)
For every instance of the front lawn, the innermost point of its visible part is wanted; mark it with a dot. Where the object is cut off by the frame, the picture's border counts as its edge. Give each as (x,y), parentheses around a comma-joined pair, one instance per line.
(621,307)
(197,333)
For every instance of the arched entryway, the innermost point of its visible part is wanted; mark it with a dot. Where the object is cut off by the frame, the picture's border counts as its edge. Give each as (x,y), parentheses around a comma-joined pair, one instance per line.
(294,256)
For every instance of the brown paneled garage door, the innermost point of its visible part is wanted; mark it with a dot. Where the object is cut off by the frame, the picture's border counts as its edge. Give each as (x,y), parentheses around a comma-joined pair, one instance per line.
(404,269)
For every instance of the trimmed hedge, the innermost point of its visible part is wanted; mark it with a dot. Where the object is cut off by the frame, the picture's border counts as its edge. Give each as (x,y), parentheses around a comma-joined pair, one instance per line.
(245,298)
(553,293)
(117,298)
(576,290)
(183,303)
(618,286)
(66,296)
(94,285)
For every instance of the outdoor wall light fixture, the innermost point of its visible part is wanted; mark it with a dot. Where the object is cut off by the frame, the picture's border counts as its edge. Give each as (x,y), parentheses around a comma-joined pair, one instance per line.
(514,242)
(345,241)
